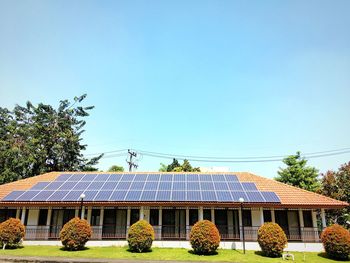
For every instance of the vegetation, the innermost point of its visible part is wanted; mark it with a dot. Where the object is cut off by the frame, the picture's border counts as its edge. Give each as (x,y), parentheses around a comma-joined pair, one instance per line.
(336,242)
(272,239)
(336,184)
(39,139)
(11,233)
(204,238)
(116,168)
(175,166)
(159,254)
(75,233)
(140,236)
(298,174)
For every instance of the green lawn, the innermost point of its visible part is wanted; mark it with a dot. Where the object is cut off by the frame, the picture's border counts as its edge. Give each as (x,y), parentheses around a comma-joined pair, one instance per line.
(159,254)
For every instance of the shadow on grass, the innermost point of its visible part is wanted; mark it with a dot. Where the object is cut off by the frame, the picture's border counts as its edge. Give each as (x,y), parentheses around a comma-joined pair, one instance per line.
(207,255)
(70,250)
(261,254)
(137,252)
(324,255)
(13,247)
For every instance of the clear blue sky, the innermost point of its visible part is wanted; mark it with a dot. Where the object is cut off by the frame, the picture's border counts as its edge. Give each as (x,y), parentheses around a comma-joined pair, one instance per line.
(218,78)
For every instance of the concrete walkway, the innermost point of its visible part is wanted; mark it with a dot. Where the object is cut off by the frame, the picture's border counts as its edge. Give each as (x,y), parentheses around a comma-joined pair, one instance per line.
(7,259)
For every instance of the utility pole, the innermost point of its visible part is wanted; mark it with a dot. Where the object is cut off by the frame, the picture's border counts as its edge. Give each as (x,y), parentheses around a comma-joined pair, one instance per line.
(130,162)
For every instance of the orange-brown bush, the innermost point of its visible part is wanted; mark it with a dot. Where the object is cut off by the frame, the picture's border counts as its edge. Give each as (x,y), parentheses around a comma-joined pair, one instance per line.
(11,233)
(336,242)
(140,236)
(204,237)
(75,233)
(272,239)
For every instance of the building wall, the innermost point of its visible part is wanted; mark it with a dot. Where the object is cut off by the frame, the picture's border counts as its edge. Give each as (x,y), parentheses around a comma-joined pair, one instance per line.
(33,217)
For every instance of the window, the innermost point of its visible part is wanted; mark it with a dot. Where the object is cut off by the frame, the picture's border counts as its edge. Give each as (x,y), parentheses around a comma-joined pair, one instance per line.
(42,217)
(193,216)
(134,216)
(154,217)
(247,217)
(95,217)
(207,214)
(267,216)
(307,216)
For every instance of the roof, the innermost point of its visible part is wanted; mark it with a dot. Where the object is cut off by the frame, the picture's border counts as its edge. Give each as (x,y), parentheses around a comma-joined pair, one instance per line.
(289,196)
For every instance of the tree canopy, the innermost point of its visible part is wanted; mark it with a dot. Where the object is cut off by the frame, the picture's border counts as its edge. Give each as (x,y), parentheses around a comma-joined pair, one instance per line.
(336,184)
(175,166)
(36,139)
(116,168)
(298,174)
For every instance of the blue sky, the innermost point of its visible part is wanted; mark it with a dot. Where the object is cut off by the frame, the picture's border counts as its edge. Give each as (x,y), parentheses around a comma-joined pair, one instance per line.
(217,78)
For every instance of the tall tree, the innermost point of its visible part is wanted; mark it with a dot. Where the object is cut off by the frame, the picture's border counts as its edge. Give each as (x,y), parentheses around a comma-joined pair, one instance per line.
(336,184)
(116,168)
(175,166)
(298,174)
(39,139)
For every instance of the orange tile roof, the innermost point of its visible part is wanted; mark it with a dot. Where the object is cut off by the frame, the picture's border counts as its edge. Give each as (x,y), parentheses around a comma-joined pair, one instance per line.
(290,196)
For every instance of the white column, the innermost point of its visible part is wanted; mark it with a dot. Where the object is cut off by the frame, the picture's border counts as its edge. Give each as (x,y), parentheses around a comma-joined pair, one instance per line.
(18,213)
(323,217)
(76,212)
(200,213)
(213,215)
(23,216)
(141,213)
(240,220)
(89,212)
(187,223)
(49,214)
(301,222)
(261,216)
(314,224)
(160,223)
(100,227)
(273,218)
(82,212)
(128,214)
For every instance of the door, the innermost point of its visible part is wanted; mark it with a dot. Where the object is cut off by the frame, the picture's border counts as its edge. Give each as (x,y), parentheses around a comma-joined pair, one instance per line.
(168,224)
(281,217)
(109,223)
(221,222)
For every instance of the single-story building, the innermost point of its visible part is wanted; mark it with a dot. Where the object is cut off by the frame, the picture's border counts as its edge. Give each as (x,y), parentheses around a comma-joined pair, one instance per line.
(238,203)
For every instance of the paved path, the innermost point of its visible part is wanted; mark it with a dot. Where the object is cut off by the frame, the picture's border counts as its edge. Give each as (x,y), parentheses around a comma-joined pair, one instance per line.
(7,259)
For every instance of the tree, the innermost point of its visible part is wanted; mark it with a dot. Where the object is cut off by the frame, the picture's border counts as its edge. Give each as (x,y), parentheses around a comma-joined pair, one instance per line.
(336,184)
(39,139)
(298,174)
(175,166)
(116,168)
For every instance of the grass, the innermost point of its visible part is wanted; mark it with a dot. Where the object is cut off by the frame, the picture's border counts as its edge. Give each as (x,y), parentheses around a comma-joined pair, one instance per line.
(160,254)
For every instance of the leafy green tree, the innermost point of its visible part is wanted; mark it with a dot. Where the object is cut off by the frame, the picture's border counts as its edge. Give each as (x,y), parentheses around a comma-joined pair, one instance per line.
(39,139)
(175,166)
(163,167)
(298,174)
(336,184)
(116,168)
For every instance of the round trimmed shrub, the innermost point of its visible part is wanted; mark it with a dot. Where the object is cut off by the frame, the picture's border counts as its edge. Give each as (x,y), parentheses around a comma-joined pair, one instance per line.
(140,236)
(11,233)
(272,239)
(204,238)
(336,242)
(75,233)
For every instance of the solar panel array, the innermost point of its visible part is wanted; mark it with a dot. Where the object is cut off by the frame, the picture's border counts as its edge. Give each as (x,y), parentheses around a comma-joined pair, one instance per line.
(130,187)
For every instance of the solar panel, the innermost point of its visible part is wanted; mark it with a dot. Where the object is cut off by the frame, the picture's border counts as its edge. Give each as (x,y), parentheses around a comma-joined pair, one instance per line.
(40,186)
(179,177)
(231,178)
(141,177)
(118,196)
(255,197)
(90,195)
(178,196)
(218,178)
(13,195)
(224,196)
(63,177)
(207,186)
(270,197)
(123,185)
(137,185)
(179,186)
(192,178)
(148,196)
(57,196)
(72,196)
(164,186)
(153,177)
(193,186)
(54,185)
(27,195)
(133,196)
(81,185)
(95,185)
(42,196)
(103,196)
(249,186)
(194,196)
(127,177)
(208,196)
(111,186)
(235,186)
(166,177)
(89,177)
(205,178)
(102,177)
(221,186)
(237,195)
(163,196)
(114,177)
(76,177)
(151,186)
(68,185)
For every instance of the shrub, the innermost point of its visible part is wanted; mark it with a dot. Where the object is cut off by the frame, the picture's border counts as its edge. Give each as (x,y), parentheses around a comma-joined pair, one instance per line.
(11,233)
(272,239)
(336,242)
(75,233)
(204,237)
(140,236)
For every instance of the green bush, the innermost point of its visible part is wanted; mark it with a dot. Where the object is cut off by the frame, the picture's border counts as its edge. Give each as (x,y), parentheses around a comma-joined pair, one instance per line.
(204,238)
(75,233)
(272,239)
(140,236)
(11,233)
(336,242)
